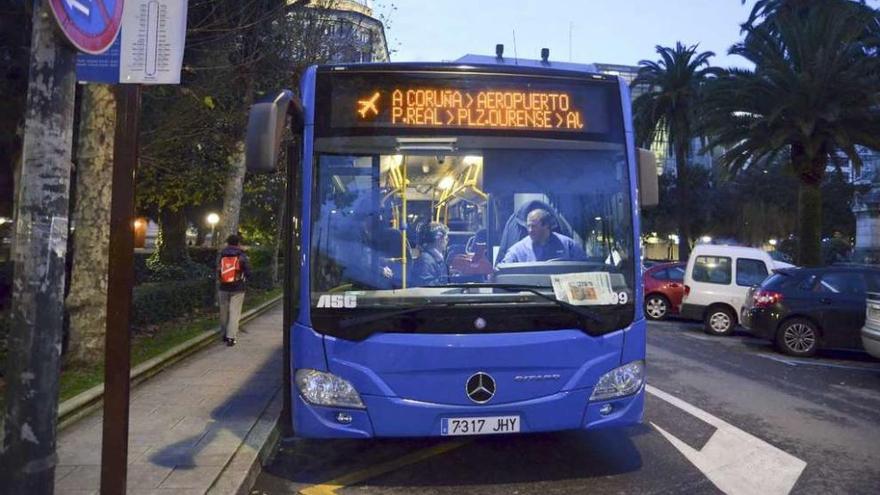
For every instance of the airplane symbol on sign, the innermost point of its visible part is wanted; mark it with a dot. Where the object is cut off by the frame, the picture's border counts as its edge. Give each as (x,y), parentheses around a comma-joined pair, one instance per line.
(368,105)
(76,5)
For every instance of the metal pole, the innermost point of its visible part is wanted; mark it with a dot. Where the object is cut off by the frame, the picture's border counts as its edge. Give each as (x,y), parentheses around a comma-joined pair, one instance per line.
(291,273)
(405,226)
(114,448)
(39,250)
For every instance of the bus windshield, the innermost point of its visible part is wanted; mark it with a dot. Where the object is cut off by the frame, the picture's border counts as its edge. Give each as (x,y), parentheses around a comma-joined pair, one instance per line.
(451,201)
(492,239)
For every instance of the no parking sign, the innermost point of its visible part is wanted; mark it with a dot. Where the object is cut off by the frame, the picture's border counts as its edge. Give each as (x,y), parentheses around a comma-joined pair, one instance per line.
(90,25)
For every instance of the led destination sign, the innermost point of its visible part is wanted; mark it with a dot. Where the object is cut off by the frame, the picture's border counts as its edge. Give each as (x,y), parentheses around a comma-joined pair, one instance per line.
(434,107)
(411,103)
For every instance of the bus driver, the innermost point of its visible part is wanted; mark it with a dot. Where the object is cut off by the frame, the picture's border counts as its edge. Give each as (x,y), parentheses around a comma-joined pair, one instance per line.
(542,244)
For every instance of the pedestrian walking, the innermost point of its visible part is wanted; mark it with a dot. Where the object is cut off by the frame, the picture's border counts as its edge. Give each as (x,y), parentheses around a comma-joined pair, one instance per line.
(233,270)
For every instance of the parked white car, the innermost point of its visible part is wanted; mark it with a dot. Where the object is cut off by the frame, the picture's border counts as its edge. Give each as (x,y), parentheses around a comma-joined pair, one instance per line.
(717,281)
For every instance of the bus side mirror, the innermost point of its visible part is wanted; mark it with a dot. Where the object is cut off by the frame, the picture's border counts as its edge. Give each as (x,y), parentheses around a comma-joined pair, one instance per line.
(265,130)
(649,188)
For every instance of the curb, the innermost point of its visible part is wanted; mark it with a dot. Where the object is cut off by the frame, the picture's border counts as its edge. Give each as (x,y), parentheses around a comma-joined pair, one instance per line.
(240,473)
(76,408)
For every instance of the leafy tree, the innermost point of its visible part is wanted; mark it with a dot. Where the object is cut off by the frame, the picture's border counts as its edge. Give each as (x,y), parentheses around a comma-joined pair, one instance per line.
(754,205)
(260,208)
(236,52)
(187,158)
(670,106)
(813,95)
(183,163)
(699,196)
(838,218)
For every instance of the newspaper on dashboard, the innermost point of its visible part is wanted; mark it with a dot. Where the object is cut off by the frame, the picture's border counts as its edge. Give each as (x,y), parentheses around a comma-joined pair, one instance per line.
(584,289)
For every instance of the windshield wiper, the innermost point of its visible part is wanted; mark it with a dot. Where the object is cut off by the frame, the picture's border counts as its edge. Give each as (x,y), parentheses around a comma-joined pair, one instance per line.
(372,317)
(586,313)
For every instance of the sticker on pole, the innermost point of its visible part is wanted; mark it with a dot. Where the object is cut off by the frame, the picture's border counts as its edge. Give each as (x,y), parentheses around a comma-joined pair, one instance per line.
(90,25)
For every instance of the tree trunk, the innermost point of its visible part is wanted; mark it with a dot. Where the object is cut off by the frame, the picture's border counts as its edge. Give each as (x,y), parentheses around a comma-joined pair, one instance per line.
(201,235)
(87,300)
(39,252)
(681,180)
(235,182)
(232,195)
(809,223)
(172,237)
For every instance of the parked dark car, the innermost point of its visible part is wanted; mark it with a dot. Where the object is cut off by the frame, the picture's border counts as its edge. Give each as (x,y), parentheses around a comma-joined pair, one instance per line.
(664,288)
(804,309)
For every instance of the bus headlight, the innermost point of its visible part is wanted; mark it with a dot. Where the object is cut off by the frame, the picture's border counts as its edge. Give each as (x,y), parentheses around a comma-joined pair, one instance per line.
(326,389)
(619,382)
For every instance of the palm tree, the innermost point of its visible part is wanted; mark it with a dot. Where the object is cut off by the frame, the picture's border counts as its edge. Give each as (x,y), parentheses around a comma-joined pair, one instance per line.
(767,10)
(813,95)
(669,107)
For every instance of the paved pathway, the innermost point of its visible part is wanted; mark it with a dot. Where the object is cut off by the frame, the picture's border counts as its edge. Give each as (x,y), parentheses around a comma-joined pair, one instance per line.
(187,422)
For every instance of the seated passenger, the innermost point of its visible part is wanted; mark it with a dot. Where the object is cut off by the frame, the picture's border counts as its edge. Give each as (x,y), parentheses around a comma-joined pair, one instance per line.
(542,244)
(430,268)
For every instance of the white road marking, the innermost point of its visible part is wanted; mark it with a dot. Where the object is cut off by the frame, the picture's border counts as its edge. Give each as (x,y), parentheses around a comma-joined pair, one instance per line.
(733,460)
(701,337)
(777,359)
(807,362)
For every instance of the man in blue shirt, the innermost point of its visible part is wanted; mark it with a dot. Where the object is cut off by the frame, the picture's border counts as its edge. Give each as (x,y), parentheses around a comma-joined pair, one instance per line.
(542,244)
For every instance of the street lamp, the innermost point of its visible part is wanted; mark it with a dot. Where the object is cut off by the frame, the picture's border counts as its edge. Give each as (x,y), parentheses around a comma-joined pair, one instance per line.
(213,218)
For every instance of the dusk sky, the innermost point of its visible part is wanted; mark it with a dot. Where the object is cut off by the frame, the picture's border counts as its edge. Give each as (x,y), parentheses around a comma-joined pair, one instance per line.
(606,31)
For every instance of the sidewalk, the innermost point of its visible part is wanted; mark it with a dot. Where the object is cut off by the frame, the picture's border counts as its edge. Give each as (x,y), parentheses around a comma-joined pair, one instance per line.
(195,428)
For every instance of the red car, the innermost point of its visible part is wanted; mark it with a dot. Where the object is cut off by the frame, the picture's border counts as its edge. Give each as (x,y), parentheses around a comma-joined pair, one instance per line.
(664,288)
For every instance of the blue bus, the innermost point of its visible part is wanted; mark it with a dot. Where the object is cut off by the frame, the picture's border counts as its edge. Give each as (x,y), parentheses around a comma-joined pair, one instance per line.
(462,247)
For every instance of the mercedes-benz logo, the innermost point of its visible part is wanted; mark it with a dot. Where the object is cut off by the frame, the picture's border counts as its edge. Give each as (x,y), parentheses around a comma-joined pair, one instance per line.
(480,388)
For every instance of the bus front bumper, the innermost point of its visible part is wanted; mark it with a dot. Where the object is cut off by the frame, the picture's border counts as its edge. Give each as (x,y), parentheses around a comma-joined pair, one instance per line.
(396,417)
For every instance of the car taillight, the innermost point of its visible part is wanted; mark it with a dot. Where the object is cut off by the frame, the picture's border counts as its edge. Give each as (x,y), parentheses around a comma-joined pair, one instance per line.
(687,290)
(766,298)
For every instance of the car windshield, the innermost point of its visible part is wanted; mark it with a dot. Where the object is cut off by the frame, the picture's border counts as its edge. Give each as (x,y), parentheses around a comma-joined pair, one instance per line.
(395,231)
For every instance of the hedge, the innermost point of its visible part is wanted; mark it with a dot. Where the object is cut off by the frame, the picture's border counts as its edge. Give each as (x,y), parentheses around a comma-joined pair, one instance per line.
(155,302)
(261,278)
(260,257)
(204,256)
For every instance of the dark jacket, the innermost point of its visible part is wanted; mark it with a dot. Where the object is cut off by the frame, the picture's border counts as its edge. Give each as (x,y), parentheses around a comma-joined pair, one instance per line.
(244,263)
(430,269)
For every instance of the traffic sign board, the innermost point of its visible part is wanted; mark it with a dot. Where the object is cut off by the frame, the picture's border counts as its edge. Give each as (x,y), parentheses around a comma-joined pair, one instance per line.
(148,50)
(91,25)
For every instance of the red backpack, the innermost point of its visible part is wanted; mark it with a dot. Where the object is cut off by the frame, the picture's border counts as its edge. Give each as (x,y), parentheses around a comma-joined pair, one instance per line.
(230,269)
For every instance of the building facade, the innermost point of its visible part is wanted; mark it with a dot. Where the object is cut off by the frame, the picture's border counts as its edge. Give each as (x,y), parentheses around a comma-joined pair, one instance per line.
(352,29)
